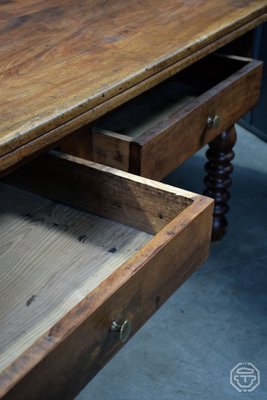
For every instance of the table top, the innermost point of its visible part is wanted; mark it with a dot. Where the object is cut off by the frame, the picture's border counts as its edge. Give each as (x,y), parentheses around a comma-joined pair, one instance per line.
(63,63)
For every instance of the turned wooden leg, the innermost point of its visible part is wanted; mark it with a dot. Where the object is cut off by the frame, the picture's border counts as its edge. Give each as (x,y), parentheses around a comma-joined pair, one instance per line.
(218,168)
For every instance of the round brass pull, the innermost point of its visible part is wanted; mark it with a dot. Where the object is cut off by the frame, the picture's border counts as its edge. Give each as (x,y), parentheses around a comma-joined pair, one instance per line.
(214,121)
(124,329)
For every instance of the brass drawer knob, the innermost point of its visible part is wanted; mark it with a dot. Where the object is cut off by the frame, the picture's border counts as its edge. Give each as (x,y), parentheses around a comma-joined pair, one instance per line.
(124,329)
(214,121)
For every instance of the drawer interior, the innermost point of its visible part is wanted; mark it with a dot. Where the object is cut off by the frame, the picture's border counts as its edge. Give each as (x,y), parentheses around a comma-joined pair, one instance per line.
(52,255)
(139,115)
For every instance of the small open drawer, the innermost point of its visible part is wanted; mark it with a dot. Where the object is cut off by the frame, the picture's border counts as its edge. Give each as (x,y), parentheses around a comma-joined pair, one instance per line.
(158,130)
(68,273)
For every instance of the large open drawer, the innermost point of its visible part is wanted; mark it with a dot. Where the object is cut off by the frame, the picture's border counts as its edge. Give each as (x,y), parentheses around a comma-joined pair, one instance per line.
(67,273)
(158,130)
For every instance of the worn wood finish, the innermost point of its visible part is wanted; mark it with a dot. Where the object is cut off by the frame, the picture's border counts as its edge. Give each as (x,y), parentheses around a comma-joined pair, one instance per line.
(80,343)
(64,64)
(59,71)
(164,127)
(51,257)
(108,148)
(21,155)
(219,167)
(137,202)
(80,141)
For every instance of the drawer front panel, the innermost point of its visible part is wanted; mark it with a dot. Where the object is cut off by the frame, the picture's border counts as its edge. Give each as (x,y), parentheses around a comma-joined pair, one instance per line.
(74,361)
(186,133)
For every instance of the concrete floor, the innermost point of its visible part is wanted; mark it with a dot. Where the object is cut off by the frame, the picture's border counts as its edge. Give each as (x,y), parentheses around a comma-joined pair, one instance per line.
(218,318)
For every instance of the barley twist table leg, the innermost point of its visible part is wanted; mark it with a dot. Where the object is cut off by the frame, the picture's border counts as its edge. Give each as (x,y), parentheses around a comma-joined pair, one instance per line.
(217,181)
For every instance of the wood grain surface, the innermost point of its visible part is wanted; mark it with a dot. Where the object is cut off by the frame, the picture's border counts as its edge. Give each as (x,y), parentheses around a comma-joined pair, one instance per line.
(65,357)
(60,299)
(156,131)
(62,60)
(124,198)
(51,257)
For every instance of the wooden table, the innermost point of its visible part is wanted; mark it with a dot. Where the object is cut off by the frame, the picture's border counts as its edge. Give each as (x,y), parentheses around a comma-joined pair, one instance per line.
(65,64)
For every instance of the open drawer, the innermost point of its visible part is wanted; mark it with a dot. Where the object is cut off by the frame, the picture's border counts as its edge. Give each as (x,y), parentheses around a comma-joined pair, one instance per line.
(78,279)
(158,130)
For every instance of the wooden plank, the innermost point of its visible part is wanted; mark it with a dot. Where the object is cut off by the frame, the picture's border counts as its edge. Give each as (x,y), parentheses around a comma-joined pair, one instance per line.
(110,148)
(51,257)
(105,191)
(80,344)
(56,78)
